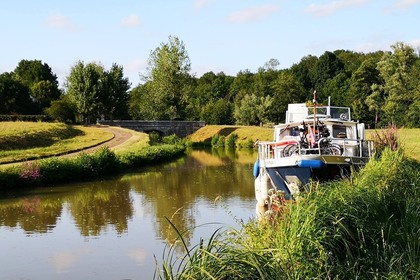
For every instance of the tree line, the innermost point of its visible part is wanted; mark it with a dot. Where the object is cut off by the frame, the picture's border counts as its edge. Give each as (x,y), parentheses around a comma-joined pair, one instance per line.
(380,87)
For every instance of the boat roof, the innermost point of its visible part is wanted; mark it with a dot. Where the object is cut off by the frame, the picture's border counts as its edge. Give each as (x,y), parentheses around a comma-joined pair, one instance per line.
(299,112)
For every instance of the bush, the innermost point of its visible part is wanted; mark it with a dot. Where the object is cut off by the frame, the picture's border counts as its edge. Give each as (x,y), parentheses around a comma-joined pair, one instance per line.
(103,162)
(231,141)
(154,138)
(386,138)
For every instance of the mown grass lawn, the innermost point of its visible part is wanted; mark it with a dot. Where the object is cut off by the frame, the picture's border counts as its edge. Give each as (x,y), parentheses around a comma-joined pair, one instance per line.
(30,140)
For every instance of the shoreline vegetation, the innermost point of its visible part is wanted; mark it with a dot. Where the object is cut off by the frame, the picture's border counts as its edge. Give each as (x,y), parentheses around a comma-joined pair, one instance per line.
(363,227)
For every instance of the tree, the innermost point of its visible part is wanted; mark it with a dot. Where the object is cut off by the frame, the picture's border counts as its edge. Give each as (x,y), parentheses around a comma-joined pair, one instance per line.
(83,85)
(361,87)
(168,78)
(207,89)
(397,70)
(252,109)
(14,96)
(61,110)
(113,94)
(217,112)
(287,89)
(327,67)
(41,81)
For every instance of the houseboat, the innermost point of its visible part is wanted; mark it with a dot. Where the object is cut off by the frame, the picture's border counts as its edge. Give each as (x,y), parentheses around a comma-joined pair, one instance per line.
(319,143)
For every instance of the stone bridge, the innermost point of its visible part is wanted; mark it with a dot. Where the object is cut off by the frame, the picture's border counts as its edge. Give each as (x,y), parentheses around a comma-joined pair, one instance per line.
(164,128)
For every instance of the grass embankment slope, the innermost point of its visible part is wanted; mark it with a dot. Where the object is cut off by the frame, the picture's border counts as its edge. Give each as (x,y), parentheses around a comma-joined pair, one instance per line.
(408,137)
(32,149)
(245,134)
(34,140)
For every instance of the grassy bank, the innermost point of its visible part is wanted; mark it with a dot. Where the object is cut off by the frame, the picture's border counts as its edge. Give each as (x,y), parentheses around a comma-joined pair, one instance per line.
(99,164)
(408,138)
(366,227)
(21,141)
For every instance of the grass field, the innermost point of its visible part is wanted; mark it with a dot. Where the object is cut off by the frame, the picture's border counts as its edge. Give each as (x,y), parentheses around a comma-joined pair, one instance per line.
(32,140)
(408,137)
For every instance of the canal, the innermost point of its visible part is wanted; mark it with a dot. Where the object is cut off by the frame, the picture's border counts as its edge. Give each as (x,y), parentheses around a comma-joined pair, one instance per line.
(116,228)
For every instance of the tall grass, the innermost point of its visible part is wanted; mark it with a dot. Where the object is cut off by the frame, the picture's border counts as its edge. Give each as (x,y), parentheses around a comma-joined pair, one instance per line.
(364,227)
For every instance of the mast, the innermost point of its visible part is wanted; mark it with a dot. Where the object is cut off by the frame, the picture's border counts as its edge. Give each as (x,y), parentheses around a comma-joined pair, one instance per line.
(314,101)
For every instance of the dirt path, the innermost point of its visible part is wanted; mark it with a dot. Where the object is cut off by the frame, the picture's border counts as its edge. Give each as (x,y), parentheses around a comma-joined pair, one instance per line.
(121,135)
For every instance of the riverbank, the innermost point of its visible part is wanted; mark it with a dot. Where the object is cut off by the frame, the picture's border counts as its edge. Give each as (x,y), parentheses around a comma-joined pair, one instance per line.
(364,227)
(49,153)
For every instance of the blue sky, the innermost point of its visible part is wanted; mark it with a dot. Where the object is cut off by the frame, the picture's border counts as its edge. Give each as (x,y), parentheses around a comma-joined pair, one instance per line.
(219,35)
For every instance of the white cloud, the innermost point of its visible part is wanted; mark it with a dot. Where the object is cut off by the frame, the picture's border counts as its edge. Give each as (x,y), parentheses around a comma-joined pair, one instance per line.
(57,20)
(138,255)
(201,3)
(333,6)
(253,14)
(131,21)
(404,4)
(415,43)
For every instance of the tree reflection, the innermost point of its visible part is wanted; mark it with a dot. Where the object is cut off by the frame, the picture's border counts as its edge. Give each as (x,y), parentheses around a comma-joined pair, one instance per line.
(174,189)
(101,204)
(33,214)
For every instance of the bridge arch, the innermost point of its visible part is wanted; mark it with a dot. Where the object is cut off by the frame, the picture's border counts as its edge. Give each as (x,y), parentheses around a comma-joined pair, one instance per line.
(179,128)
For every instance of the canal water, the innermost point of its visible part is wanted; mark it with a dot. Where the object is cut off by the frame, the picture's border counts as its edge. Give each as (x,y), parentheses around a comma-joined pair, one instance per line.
(117,228)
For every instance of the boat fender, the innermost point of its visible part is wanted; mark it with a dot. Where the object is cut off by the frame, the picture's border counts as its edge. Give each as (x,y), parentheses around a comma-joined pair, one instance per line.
(258,196)
(312,163)
(265,183)
(256,168)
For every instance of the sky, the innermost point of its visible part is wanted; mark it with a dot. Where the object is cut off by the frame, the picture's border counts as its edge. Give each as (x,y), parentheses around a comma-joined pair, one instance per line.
(219,35)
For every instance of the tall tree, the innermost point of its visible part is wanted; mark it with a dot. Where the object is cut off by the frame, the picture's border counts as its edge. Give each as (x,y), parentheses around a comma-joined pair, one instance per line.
(41,81)
(168,77)
(83,86)
(14,96)
(361,87)
(397,70)
(287,89)
(113,95)
(327,67)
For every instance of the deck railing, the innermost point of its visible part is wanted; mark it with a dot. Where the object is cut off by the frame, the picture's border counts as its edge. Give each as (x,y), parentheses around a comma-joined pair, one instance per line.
(349,148)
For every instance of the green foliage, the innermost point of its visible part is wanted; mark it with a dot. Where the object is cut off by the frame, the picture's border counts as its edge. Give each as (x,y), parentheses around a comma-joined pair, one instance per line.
(83,89)
(172,140)
(154,138)
(168,81)
(218,141)
(231,141)
(41,81)
(218,112)
(14,96)
(102,163)
(61,110)
(113,93)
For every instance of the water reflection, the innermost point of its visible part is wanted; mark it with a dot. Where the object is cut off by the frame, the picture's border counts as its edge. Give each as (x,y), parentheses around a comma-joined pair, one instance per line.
(129,210)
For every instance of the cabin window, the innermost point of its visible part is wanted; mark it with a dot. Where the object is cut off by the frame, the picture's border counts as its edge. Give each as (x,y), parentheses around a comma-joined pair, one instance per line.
(339,131)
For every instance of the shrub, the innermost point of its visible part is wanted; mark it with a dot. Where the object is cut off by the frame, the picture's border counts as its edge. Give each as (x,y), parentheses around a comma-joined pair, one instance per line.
(172,139)
(231,140)
(154,138)
(215,140)
(386,138)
